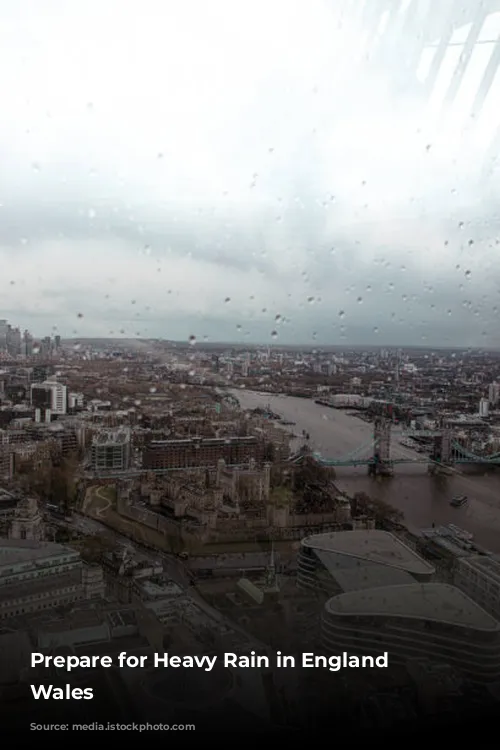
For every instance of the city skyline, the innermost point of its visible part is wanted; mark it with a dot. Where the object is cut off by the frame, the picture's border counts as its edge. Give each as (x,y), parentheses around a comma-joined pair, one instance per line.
(57,340)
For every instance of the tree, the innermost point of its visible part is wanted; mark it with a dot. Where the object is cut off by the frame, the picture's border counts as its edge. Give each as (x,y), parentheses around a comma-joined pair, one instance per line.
(269,452)
(311,472)
(64,482)
(95,547)
(58,484)
(36,481)
(381,511)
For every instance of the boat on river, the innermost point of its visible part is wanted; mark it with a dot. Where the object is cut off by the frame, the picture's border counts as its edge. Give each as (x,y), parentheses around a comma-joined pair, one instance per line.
(461,533)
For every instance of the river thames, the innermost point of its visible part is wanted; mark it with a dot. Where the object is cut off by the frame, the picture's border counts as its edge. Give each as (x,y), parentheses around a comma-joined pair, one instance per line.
(422,498)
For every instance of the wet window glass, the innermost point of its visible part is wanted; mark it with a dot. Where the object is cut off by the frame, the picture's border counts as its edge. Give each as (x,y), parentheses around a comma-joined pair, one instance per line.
(249,357)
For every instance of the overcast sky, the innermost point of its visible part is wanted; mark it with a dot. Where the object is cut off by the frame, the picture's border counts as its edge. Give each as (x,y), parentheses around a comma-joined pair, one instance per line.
(249,171)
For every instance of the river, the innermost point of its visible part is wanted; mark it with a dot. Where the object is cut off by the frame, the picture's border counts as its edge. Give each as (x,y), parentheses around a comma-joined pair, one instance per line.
(424,499)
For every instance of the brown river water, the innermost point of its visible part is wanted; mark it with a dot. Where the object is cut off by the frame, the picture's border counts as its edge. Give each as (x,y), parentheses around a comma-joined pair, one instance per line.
(424,499)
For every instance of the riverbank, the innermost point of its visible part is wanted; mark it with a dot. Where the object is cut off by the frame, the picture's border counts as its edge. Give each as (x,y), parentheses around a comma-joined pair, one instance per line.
(423,499)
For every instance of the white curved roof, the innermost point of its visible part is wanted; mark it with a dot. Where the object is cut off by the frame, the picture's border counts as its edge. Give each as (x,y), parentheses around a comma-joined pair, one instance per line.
(373,545)
(437,602)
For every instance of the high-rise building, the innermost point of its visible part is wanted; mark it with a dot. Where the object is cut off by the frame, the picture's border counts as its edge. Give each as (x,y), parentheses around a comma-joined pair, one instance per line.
(4,327)
(45,346)
(494,393)
(484,407)
(13,341)
(49,395)
(75,401)
(6,457)
(111,450)
(27,344)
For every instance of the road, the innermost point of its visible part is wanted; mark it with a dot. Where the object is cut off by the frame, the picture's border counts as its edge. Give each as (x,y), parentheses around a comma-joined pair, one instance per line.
(422,498)
(173,567)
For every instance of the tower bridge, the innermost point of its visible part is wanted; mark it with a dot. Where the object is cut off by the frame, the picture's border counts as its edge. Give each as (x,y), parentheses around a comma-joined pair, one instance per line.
(380,457)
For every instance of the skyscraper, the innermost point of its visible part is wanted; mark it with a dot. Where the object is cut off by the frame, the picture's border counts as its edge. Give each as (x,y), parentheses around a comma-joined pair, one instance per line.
(4,327)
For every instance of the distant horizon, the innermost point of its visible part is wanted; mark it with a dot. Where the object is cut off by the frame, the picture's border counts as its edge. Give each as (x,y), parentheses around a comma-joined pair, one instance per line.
(297,346)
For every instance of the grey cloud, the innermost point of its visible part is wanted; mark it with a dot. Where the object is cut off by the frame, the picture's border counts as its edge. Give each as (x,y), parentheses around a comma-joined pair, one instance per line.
(287,174)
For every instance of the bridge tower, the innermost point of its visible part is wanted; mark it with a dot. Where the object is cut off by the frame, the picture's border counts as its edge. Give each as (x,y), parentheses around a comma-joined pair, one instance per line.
(446,447)
(442,454)
(381,465)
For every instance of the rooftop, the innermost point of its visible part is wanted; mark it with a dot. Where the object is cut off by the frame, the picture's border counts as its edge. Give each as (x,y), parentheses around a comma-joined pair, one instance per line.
(7,496)
(204,441)
(76,620)
(436,602)
(110,437)
(370,577)
(15,551)
(154,590)
(122,618)
(369,545)
(39,586)
(488,565)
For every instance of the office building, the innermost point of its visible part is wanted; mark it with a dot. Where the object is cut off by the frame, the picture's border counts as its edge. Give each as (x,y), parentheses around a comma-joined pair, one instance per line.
(4,328)
(361,559)
(14,341)
(75,401)
(484,407)
(111,450)
(207,452)
(49,395)
(27,348)
(38,576)
(479,577)
(6,457)
(431,621)
(494,393)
